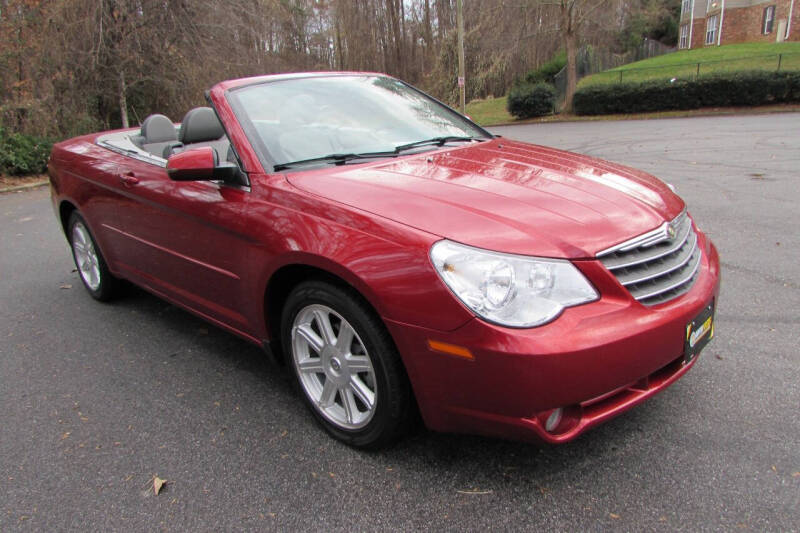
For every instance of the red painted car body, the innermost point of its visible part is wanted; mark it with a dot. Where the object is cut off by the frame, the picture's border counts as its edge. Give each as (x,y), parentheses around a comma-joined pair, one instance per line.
(228,252)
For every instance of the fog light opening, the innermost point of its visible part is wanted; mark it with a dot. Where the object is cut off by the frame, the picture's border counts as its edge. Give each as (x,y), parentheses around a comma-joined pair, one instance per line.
(553,420)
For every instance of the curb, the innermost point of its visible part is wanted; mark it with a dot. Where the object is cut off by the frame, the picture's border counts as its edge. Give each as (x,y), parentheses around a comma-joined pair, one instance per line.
(26,186)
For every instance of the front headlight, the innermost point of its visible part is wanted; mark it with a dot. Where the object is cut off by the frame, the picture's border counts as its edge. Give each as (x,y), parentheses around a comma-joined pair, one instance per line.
(510,290)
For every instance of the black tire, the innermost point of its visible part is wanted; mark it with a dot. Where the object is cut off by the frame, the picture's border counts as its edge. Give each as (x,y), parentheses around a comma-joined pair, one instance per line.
(99,283)
(390,417)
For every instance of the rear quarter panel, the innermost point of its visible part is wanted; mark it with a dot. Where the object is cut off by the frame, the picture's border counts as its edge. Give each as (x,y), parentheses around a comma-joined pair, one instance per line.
(79,174)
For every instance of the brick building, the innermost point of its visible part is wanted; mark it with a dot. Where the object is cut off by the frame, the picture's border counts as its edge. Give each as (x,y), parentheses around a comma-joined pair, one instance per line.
(716,22)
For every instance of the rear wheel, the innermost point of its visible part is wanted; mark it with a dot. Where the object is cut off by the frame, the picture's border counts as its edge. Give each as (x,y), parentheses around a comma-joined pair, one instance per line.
(345,365)
(94,273)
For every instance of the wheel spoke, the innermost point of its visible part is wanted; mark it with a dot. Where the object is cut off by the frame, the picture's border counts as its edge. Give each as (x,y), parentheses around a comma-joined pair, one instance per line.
(361,390)
(345,338)
(310,337)
(79,236)
(349,403)
(358,363)
(324,322)
(328,393)
(311,365)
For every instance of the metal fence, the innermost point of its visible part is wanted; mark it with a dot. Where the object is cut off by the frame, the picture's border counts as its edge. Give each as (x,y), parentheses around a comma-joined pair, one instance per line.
(591,60)
(693,70)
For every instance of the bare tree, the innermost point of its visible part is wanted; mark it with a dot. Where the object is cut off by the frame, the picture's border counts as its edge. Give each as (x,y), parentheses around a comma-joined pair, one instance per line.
(573,16)
(20,21)
(70,66)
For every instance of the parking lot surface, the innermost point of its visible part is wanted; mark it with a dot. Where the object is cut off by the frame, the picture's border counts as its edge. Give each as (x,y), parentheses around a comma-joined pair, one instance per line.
(97,399)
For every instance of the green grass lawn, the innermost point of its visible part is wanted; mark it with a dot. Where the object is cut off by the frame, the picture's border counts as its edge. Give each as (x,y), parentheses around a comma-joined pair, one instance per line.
(684,64)
(681,65)
(489,111)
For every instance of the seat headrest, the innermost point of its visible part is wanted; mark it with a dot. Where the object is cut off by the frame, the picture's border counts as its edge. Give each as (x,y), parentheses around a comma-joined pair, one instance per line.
(158,128)
(199,125)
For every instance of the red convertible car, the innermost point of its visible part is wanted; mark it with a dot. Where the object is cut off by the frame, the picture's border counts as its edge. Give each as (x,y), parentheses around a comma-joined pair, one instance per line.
(401,258)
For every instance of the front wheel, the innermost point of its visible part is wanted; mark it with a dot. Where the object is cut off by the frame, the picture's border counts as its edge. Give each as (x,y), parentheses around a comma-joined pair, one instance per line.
(345,365)
(96,277)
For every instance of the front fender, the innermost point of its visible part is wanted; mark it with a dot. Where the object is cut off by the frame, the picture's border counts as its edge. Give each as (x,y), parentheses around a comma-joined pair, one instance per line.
(386,262)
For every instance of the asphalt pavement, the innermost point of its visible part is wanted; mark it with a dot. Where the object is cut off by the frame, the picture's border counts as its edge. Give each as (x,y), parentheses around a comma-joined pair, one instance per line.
(97,399)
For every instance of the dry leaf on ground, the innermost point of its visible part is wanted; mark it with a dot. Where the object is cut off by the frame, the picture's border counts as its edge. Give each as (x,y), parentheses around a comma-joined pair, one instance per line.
(158,483)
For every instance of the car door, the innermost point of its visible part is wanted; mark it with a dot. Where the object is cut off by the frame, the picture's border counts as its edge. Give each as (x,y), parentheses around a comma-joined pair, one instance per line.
(183,240)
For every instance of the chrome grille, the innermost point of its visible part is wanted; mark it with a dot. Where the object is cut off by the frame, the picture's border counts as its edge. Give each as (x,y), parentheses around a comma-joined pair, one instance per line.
(659,265)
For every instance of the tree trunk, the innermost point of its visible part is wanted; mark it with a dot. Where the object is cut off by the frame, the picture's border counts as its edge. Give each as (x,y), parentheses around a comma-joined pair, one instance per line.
(428,29)
(571,45)
(123,100)
(392,9)
(339,52)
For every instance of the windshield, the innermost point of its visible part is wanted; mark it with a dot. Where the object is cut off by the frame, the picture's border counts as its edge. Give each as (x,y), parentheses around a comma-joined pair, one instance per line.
(303,119)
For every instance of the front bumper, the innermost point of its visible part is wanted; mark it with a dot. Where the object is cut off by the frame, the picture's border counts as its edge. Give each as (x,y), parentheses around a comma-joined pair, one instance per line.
(595,361)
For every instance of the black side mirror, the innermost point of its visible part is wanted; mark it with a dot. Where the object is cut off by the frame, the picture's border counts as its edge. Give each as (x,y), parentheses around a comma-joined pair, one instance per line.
(229,172)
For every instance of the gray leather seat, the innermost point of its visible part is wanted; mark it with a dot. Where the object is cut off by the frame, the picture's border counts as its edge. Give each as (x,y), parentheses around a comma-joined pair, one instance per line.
(201,127)
(157,133)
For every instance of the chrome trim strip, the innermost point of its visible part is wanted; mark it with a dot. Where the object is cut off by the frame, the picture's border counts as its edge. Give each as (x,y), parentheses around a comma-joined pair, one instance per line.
(646,259)
(120,143)
(650,238)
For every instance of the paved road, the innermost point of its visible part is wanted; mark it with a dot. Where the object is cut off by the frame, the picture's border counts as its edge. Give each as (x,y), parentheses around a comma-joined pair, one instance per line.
(96,399)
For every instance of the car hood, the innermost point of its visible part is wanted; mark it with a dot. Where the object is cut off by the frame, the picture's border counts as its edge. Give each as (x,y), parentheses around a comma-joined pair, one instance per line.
(505,196)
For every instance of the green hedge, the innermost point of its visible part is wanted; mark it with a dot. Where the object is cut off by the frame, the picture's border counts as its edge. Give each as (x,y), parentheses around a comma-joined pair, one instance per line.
(531,100)
(719,90)
(22,154)
(547,72)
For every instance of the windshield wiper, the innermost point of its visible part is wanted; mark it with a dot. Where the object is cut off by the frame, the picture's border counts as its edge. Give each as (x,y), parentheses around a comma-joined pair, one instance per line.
(439,141)
(338,159)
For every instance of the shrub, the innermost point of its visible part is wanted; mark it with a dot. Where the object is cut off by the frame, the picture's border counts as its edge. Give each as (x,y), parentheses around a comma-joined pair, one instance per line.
(547,72)
(23,154)
(531,100)
(718,90)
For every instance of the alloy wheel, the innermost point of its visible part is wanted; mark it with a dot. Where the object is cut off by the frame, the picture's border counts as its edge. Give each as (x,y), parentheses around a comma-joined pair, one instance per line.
(85,256)
(333,366)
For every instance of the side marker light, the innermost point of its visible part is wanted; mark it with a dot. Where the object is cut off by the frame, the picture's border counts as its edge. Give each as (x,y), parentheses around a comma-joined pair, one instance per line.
(451,349)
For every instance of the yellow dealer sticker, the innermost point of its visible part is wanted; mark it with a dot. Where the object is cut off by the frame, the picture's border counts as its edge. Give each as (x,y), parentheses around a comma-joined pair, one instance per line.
(698,332)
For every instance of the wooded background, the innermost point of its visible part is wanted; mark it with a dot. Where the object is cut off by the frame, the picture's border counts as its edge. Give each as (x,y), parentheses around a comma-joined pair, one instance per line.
(74,66)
